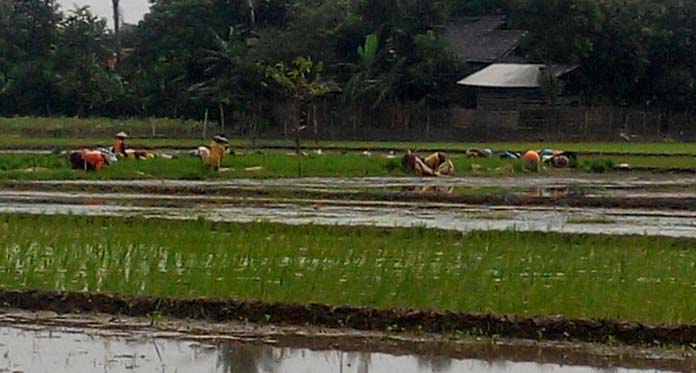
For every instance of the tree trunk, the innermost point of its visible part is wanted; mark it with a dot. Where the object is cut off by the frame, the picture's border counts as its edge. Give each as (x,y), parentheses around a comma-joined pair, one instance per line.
(254,130)
(205,124)
(252,14)
(298,147)
(316,124)
(427,122)
(117,29)
(587,122)
(222,116)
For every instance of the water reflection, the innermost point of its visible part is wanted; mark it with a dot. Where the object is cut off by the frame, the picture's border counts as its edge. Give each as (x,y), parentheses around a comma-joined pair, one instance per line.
(68,350)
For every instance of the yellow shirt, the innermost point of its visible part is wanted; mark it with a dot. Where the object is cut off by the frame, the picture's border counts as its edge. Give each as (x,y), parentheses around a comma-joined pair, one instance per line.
(217,152)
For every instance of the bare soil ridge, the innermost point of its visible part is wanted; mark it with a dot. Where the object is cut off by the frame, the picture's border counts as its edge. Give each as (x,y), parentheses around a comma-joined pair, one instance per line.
(360,318)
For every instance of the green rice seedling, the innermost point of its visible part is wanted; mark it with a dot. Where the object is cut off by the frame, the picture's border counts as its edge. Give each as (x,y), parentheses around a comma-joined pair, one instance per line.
(599,165)
(277,164)
(502,272)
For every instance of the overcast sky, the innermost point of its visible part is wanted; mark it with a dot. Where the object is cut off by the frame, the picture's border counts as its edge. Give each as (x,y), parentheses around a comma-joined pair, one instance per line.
(132,10)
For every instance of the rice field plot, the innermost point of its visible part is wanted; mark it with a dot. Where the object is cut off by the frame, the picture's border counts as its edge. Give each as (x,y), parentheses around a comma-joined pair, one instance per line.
(649,279)
(247,165)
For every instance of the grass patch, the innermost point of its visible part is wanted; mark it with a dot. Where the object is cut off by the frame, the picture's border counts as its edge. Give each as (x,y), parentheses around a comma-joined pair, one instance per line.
(598,165)
(96,127)
(649,279)
(48,143)
(272,164)
(278,164)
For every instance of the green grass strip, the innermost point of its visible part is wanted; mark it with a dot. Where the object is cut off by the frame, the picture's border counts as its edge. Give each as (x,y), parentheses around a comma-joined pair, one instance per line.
(272,164)
(68,140)
(278,164)
(648,279)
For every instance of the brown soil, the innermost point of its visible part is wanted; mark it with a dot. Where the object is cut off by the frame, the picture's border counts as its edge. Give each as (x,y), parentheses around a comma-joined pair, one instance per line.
(368,319)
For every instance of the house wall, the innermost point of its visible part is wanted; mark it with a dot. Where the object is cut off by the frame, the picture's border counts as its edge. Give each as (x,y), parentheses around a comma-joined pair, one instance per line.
(501,99)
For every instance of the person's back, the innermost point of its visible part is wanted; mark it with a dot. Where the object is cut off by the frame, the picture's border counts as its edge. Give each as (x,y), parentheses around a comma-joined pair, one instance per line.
(531,161)
(217,153)
(440,164)
(94,160)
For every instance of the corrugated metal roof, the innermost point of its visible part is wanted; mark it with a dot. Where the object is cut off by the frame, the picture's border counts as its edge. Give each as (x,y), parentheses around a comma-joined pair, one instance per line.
(512,75)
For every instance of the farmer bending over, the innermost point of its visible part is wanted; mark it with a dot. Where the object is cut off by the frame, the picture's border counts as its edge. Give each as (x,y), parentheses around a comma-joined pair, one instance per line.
(216,152)
(88,160)
(436,164)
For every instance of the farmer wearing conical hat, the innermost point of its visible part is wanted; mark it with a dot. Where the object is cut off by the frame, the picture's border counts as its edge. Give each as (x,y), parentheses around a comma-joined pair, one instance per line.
(120,144)
(217,151)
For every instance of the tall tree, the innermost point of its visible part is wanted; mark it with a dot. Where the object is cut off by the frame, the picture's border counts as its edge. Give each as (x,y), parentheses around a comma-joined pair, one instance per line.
(234,74)
(28,33)
(300,82)
(559,30)
(83,76)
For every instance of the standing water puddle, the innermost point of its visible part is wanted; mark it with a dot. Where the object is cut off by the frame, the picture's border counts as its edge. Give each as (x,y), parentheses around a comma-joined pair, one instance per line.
(461,218)
(36,349)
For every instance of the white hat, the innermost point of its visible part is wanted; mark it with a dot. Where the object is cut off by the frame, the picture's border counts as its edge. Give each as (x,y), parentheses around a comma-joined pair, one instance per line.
(122,135)
(221,138)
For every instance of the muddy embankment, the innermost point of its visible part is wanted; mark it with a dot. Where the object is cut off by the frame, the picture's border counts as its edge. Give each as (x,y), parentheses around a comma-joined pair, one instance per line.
(366,319)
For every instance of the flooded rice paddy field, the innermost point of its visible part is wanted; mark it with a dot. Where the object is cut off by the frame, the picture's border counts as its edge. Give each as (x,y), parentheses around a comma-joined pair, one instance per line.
(582,185)
(604,181)
(463,219)
(36,346)
(52,343)
(328,201)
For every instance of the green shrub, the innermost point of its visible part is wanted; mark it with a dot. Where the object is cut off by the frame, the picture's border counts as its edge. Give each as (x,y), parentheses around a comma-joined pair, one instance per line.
(600,165)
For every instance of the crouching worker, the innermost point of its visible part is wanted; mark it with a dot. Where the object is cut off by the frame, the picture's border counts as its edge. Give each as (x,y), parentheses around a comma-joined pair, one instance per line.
(531,161)
(436,164)
(123,152)
(119,147)
(88,160)
(563,159)
(212,155)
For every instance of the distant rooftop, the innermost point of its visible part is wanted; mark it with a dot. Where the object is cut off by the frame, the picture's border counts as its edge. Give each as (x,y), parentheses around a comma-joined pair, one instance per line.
(512,75)
(481,39)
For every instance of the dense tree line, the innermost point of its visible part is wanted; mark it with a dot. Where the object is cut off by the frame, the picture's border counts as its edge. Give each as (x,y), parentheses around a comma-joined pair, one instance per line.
(189,56)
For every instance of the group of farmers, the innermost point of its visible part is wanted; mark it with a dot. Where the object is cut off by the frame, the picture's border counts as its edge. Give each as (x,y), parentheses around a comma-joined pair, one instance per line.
(96,159)
(438,164)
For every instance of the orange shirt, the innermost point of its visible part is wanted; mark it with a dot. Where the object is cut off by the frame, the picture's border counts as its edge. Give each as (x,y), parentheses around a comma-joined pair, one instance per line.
(531,160)
(94,159)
